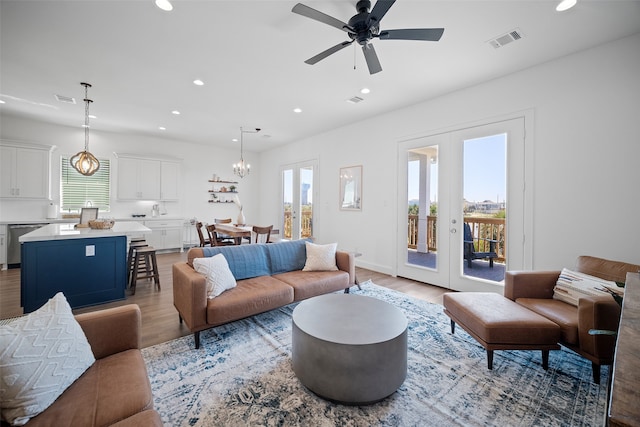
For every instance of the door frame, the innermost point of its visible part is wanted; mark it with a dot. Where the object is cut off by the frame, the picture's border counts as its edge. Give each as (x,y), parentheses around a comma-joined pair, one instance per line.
(519,257)
(313,164)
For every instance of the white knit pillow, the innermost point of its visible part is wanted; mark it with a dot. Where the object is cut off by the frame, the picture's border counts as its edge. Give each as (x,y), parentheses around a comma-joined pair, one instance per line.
(41,355)
(320,257)
(216,270)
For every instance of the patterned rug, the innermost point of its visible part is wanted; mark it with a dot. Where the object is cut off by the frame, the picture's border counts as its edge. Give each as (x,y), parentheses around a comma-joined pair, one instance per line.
(242,376)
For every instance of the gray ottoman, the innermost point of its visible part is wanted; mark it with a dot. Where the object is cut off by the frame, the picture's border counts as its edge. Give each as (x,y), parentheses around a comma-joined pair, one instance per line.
(349,349)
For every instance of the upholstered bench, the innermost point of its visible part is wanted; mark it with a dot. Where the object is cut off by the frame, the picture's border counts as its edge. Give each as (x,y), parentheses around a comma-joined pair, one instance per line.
(498,323)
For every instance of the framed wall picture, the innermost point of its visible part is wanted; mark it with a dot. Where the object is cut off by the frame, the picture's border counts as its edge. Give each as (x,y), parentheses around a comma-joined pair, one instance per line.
(88,214)
(351,188)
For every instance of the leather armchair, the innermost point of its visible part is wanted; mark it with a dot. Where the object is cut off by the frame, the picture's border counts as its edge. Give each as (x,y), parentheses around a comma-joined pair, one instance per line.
(534,290)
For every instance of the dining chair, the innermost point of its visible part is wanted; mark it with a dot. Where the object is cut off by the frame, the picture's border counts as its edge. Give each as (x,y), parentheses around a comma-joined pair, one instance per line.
(262,231)
(203,241)
(215,240)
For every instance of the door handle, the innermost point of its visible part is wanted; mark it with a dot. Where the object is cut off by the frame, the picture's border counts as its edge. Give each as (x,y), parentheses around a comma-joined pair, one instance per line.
(453,231)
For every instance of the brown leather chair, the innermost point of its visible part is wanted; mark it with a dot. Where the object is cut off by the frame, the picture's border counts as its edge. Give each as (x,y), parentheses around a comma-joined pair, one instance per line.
(534,290)
(262,231)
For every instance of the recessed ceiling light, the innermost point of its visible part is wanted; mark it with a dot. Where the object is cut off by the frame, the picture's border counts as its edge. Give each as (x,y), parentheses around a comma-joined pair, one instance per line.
(297,110)
(365,90)
(176,112)
(91,116)
(234,140)
(162,128)
(164,5)
(198,82)
(565,5)
(1,101)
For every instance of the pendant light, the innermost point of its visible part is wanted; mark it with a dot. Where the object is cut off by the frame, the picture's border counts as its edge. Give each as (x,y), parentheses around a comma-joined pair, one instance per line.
(85,162)
(240,168)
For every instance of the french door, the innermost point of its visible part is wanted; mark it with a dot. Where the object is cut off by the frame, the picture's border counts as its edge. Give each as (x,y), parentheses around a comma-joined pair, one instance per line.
(298,190)
(473,176)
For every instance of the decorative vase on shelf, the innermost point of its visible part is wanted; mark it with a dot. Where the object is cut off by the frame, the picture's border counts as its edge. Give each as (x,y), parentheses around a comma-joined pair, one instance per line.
(240,218)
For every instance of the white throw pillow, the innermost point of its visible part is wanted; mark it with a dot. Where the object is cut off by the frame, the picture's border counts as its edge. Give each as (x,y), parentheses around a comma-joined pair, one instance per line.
(572,285)
(320,257)
(41,355)
(216,270)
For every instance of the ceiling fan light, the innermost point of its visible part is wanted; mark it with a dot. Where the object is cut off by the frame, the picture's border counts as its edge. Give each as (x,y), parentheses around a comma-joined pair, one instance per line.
(565,5)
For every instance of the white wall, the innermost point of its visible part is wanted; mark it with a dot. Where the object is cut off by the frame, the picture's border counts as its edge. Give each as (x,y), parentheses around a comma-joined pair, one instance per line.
(199,163)
(586,159)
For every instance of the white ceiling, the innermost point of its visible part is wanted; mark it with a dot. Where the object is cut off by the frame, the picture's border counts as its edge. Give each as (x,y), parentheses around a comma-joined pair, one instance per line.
(142,61)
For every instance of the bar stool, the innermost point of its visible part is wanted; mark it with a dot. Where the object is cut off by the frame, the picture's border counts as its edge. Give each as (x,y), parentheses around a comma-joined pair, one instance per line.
(136,242)
(144,257)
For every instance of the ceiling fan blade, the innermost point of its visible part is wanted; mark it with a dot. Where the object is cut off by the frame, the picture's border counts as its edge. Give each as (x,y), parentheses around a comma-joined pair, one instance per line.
(427,34)
(309,12)
(319,57)
(380,9)
(372,59)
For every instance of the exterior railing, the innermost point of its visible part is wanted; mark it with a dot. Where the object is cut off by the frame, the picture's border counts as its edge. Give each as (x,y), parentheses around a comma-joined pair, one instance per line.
(481,228)
(307,226)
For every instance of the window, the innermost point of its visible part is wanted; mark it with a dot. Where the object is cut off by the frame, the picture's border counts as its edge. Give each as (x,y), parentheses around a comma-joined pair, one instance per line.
(78,191)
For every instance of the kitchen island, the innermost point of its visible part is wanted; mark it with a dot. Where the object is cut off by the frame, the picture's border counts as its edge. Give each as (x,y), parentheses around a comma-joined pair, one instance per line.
(89,266)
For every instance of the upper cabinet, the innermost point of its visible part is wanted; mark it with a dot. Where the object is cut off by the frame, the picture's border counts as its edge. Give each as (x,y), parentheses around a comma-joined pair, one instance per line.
(24,171)
(147,179)
(169,180)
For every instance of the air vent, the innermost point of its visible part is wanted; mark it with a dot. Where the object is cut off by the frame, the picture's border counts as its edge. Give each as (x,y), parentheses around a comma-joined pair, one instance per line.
(507,38)
(65,99)
(355,100)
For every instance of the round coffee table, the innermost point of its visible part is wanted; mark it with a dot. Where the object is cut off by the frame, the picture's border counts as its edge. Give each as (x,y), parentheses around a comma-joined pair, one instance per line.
(349,348)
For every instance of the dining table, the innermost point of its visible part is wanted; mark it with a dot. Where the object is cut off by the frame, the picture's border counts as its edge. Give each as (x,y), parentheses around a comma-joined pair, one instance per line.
(238,232)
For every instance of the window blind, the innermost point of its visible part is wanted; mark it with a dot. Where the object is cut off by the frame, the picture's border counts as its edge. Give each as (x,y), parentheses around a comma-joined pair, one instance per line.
(78,191)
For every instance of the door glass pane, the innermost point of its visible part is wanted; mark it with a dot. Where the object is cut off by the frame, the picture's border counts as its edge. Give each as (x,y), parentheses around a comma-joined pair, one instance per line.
(484,207)
(422,192)
(287,202)
(306,202)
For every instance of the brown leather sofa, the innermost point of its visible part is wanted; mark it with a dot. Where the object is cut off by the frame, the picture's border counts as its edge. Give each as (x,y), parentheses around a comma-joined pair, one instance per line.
(115,390)
(534,290)
(252,295)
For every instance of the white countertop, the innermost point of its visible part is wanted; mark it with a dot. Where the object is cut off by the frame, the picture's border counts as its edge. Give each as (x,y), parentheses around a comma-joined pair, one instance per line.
(67,231)
(75,220)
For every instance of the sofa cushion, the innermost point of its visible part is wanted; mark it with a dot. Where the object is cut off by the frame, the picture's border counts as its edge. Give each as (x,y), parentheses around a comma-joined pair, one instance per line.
(251,296)
(112,389)
(287,256)
(563,314)
(320,257)
(217,272)
(41,355)
(309,284)
(245,261)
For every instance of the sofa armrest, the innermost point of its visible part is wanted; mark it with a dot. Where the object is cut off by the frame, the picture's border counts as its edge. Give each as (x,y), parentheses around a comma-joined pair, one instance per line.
(112,330)
(346,262)
(598,312)
(530,284)
(190,296)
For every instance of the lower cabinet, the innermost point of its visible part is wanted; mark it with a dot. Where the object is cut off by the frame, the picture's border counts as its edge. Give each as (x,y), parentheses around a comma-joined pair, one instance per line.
(165,234)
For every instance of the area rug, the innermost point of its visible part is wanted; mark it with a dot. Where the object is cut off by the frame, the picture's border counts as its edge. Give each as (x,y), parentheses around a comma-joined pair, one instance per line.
(242,376)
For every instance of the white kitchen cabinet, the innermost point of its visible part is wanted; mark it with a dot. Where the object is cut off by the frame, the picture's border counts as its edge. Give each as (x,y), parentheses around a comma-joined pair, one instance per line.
(165,234)
(142,178)
(138,179)
(24,172)
(169,181)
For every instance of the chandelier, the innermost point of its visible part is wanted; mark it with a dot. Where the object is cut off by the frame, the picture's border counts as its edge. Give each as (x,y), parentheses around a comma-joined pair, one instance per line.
(241,169)
(85,162)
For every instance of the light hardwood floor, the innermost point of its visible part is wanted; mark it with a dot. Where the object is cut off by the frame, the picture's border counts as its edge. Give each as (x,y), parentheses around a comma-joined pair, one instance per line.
(159,317)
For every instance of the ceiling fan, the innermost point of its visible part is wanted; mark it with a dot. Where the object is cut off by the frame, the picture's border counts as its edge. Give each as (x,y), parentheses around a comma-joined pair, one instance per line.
(363,27)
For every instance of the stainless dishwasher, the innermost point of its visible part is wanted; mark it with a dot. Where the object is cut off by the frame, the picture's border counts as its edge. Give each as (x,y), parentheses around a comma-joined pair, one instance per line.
(13,250)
